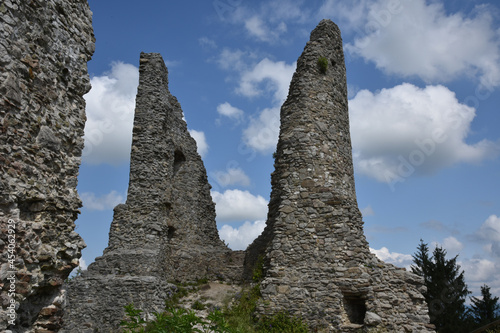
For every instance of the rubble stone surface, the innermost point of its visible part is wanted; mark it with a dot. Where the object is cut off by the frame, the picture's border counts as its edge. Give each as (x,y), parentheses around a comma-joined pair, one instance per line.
(166,231)
(44,50)
(317,263)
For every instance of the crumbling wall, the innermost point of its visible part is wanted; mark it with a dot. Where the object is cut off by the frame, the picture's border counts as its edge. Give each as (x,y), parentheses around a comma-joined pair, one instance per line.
(166,230)
(44,49)
(317,263)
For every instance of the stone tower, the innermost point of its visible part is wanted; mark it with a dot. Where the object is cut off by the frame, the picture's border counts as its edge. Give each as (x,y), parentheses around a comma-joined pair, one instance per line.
(44,49)
(317,262)
(166,230)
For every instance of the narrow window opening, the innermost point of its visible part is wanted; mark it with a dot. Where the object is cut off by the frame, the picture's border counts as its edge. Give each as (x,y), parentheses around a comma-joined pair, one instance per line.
(179,159)
(355,308)
(170,233)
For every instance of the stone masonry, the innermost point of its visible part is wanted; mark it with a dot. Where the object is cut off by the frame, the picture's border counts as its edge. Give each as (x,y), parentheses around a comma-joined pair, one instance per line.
(44,49)
(317,263)
(166,230)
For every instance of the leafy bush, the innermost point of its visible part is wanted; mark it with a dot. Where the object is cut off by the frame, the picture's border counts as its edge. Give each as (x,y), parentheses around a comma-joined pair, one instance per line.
(173,320)
(282,322)
(323,64)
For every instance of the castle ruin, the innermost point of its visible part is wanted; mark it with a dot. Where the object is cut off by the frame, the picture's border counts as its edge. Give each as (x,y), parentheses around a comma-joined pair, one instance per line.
(316,261)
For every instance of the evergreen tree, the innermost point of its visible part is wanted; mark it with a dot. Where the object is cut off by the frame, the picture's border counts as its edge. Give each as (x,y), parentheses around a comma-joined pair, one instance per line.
(484,310)
(446,289)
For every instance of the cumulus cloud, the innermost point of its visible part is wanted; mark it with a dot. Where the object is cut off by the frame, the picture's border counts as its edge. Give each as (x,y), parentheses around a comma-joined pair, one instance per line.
(231,112)
(408,130)
(240,238)
(263,131)
(452,245)
(257,28)
(103,202)
(232,176)
(110,114)
(201,142)
(397,259)
(392,35)
(237,205)
(266,76)
(490,229)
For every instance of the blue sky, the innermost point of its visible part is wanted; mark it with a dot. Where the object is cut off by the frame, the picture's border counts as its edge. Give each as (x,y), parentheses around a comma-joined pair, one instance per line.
(423,80)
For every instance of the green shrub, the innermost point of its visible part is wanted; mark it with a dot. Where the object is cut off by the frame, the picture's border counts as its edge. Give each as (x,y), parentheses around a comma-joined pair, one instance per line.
(323,64)
(198,306)
(282,322)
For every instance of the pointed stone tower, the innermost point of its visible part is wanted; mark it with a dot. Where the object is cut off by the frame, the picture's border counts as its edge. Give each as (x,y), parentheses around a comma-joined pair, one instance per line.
(166,230)
(317,262)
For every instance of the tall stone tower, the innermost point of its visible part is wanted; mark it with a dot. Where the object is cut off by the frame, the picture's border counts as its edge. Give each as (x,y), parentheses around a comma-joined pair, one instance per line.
(44,49)
(317,262)
(166,230)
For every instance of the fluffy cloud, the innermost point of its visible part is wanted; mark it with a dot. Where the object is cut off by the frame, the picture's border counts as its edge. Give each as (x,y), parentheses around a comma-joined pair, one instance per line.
(409,130)
(263,131)
(391,34)
(490,229)
(397,259)
(237,205)
(452,245)
(240,238)
(266,76)
(110,114)
(103,202)
(227,110)
(201,142)
(232,176)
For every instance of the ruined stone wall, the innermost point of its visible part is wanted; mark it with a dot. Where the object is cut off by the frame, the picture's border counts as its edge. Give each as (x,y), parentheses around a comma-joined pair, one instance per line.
(44,49)
(317,263)
(166,230)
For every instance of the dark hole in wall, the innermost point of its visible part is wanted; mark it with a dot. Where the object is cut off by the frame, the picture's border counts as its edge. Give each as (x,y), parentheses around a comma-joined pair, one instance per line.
(179,159)
(355,308)
(170,232)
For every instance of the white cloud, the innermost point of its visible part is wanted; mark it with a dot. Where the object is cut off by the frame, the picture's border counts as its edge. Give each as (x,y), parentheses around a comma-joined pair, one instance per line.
(110,114)
(263,131)
(275,75)
(233,60)
(237,205)
(408,130)
(418,38)
(240,238)
(267,76)
(452,245)
(83,265)
(201,141)
(227,110)
(490,229)
(367,211)
(397,259)
(232,176)
(103,202)
(479,270)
